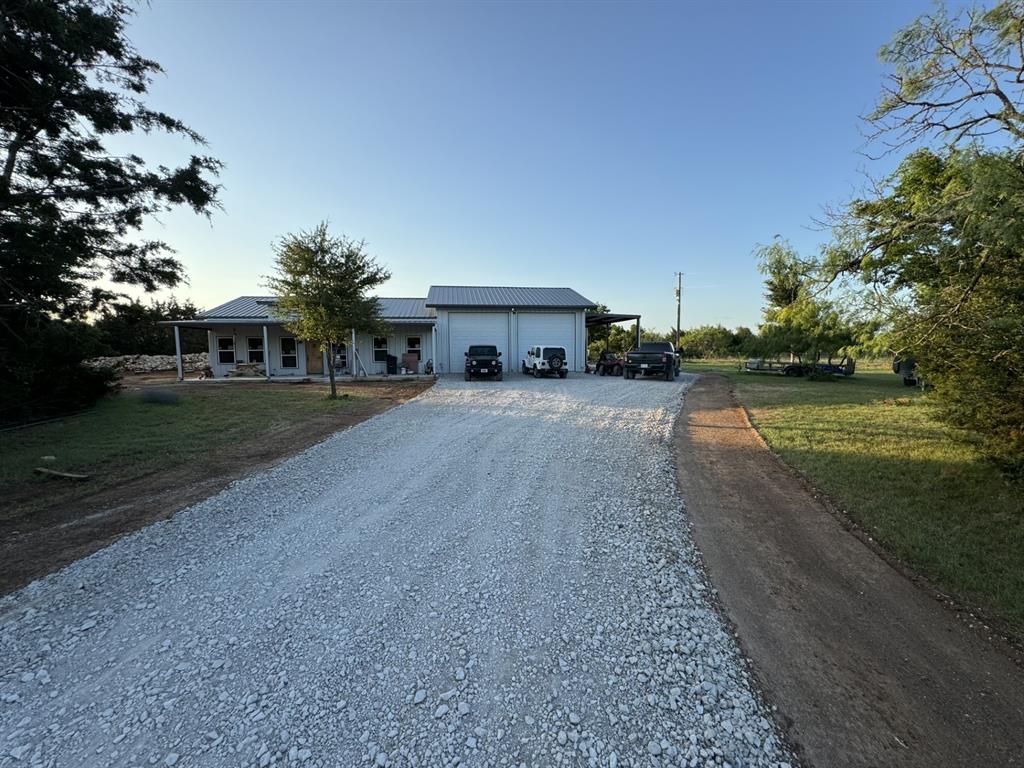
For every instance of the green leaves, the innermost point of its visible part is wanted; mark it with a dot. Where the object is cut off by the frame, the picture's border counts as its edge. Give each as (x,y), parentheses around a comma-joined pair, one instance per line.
(954,78)
(70,210)
(322,283)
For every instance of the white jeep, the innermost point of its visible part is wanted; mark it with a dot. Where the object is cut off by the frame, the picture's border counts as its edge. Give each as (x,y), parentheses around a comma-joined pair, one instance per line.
(543,361)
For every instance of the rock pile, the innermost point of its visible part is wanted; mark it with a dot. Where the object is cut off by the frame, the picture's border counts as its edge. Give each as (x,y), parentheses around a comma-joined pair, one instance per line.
(150,363)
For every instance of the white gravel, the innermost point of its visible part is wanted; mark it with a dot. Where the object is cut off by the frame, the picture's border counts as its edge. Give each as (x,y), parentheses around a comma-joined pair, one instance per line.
(492,574)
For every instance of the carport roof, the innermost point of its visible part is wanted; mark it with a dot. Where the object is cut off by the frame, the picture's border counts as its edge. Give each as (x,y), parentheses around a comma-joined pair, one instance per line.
(608,318)
(505,296)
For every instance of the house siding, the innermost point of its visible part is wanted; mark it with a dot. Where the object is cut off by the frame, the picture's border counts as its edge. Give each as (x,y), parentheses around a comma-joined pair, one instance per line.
(396,336)
(240,333)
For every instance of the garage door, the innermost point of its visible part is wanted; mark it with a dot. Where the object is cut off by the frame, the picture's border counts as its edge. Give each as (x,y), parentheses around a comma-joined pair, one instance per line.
(556,329)
(466,328)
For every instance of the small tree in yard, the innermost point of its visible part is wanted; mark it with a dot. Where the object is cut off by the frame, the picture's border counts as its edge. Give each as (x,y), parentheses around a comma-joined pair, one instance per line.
(322,285)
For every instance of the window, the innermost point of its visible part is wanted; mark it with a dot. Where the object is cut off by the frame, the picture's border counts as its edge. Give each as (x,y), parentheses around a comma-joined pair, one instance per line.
(412,346)
(289,353)
(255,349)
(226,350)
(380,349)
(340,357)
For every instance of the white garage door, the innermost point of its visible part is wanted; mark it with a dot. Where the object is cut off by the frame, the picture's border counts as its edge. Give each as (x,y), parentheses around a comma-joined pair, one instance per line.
(556,329)
(466,328)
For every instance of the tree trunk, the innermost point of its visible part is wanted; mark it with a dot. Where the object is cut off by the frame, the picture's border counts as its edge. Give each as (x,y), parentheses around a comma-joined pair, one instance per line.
(330,369)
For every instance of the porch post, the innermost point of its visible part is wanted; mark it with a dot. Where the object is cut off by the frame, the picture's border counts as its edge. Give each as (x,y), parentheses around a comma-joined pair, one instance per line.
(433,346)
(352,355)
(177,352)
(266,351)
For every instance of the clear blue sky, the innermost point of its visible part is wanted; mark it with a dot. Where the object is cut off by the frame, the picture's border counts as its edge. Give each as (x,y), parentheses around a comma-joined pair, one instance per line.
(599,146)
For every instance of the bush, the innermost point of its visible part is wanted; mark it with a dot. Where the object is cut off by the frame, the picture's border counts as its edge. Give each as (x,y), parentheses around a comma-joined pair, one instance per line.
(978,376)
(41,374)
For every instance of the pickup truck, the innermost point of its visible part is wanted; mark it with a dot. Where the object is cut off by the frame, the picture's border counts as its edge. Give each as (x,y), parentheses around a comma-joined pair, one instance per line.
(652,357)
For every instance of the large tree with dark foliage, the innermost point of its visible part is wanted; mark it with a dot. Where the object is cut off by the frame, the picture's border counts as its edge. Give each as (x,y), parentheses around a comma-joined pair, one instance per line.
(939,245)
(70,208)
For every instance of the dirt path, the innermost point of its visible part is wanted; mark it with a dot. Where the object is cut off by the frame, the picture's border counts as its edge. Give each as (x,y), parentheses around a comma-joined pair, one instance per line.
(865,668)
(46,540)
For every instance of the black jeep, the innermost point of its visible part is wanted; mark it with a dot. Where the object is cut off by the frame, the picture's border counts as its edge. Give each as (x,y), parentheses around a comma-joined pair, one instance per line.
(483,360)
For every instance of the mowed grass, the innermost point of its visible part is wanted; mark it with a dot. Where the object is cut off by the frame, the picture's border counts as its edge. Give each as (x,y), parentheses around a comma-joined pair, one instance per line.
(919,488)
(125,437)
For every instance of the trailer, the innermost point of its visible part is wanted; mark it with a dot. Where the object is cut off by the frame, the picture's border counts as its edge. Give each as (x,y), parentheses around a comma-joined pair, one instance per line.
(759,365)
(845,368)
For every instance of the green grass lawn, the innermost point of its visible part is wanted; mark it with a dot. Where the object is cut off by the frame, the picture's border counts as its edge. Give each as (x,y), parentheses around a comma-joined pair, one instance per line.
(124,437)
(920,489)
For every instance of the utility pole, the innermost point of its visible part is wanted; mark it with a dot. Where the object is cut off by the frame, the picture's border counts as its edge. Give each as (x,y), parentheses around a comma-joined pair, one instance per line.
(679,305)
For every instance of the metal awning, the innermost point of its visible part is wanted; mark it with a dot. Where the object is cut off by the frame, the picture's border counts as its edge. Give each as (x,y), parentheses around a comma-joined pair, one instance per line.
(609,318)
(594,319)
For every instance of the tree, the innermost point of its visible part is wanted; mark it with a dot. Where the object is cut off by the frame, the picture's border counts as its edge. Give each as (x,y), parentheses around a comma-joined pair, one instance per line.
(707,341)
(797,321)
(597,336)
(941,254)
(938,247)
(956,78)
(133,328)
(69,207)
(744,342)
(322,286)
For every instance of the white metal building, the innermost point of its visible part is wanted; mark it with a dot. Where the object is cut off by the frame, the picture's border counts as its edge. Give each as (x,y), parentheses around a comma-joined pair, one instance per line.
(246,335)
(513,319)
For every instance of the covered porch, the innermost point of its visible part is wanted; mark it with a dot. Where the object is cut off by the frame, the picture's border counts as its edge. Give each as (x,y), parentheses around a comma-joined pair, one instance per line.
(268,350)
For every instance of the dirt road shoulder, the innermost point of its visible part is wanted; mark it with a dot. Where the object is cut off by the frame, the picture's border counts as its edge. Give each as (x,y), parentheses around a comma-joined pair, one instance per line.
(864,667)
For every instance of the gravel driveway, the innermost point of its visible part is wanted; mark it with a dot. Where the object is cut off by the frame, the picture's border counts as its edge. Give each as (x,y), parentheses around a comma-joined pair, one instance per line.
(491,574)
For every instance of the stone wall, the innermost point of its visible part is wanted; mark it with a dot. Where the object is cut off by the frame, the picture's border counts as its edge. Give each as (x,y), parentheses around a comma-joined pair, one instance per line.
(150,363)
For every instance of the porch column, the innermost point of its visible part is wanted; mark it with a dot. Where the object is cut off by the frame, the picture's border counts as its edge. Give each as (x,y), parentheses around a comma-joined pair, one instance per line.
(177,352)
(266,351)
(433,346)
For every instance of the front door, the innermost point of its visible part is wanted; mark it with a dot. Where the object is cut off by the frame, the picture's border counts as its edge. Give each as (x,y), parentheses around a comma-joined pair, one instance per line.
(314,358)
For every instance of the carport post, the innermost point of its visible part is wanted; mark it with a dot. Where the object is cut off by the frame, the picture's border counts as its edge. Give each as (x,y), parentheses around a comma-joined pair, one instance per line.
(177,352)
(638,332)
(352,356)
(266,351)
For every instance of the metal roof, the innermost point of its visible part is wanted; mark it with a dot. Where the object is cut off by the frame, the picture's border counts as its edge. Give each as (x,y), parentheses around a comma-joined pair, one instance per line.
(405,309)
(262,308)
(499,296)
(607,318)
(243,306)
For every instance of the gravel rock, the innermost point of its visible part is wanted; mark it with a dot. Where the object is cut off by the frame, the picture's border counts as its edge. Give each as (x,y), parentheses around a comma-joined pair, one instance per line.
(523,537)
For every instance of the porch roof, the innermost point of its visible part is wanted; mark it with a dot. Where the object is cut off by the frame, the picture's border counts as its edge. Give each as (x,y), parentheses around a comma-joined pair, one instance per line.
(259,310)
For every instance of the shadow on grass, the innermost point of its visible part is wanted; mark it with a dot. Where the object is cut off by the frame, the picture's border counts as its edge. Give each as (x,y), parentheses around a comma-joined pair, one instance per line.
(949,516)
